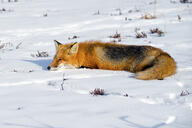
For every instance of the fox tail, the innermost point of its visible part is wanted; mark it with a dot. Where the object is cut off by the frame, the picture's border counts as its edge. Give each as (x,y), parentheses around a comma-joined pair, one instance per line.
(162,66)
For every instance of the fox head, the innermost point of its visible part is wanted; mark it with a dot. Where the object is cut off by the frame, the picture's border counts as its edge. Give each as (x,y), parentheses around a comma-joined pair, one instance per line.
(65,56)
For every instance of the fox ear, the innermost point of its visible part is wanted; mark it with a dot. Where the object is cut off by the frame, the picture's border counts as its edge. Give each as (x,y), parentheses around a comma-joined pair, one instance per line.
(74,48)
(57,44)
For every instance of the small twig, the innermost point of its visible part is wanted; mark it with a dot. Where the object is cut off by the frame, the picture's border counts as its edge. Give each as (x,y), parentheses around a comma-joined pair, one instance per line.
(179,17)
(17,47)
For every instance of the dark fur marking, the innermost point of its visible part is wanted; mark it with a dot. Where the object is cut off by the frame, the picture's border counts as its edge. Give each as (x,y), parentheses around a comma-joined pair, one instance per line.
(90,49)
(121,52)
(147,66)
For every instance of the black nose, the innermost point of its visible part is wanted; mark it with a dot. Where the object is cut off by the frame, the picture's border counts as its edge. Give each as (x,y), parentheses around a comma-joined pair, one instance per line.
(48,67)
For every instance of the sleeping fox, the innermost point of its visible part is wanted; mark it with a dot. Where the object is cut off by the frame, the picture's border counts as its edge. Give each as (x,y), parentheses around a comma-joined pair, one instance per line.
(146,61)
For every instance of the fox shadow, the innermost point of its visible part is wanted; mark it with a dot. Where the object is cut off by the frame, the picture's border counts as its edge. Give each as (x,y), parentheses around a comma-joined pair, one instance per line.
(44,63)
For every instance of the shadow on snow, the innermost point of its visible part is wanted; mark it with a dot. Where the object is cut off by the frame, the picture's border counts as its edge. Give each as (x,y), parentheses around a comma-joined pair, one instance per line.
(135,125)
(43,62)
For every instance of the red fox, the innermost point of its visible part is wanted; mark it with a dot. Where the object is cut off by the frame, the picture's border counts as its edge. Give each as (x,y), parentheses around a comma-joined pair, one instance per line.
(146,61)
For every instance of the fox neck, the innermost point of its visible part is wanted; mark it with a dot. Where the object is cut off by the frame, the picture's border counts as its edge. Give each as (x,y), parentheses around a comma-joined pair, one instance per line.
(85,57)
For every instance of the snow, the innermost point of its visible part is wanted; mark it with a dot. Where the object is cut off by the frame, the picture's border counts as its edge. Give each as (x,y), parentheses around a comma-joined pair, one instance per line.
(31,96)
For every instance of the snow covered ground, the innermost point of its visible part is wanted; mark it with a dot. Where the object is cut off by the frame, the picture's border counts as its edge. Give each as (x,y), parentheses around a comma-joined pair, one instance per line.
(31,96)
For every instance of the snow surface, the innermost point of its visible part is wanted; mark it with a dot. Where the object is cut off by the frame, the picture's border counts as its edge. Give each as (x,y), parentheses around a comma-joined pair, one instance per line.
(31,96)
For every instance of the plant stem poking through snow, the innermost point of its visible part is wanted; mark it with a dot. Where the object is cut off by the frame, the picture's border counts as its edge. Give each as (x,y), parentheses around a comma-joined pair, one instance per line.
(45,15)
(97,91)
(63,81)
(18,46)
(184,93)
(179,18)
(97,13)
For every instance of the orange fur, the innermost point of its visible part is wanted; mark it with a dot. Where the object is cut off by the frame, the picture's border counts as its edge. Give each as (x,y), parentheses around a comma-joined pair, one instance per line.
(146,61)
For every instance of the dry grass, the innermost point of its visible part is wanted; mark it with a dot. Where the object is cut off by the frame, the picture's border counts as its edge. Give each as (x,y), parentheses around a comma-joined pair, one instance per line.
(185,93)
(117,13)
(116,35)
(148,16)
(31,70)
(141,35)
(12,0)
(115,41)
(127,19)
(15,70)
(3,10)
(8,46)
(97,91)
(23,71)
(157,30)
(185,1)
(74,37)
(40,54)
(97,13)
(2,46)
(45,15)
